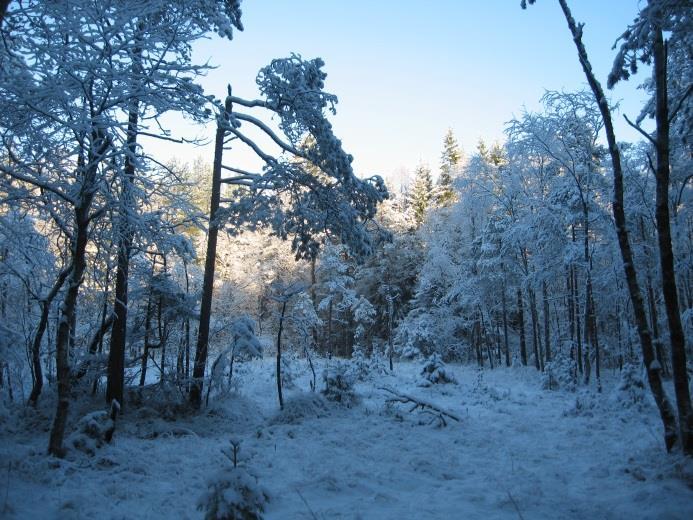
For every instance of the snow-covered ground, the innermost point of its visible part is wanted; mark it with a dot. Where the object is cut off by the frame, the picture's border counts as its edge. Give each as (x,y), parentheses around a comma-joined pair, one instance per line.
(518,452)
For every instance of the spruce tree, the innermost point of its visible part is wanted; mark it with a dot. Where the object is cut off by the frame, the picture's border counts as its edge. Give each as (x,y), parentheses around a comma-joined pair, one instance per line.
(421,193)
(449,161)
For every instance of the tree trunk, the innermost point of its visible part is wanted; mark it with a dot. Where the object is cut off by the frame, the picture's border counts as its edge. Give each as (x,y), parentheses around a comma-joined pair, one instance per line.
(38,336)
(279,357)
(547,331)
(521,312)
(666,253)
(505,324)
(210,264)
(578,328)
(4,4)
(116,355)
(69,303)
(595,342)
(147,329)
(588,328)
(653,372)
(535,335)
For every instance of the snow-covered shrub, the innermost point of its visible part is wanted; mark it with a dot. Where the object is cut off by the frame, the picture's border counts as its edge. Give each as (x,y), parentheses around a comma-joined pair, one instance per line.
(363,366)
(301,406)
(415,336)
(94,430)
(630,390)
(560,373)
(339,385)
(479,384)
(583,405)
(435,372)
(288,373)
(359,366)
(233,495)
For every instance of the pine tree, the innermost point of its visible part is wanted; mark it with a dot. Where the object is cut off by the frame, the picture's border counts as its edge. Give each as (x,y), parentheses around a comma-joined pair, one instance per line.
(421,193)
(450,160)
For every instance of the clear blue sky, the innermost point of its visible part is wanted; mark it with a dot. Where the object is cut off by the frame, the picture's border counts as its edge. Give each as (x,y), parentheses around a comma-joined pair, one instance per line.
(407,70)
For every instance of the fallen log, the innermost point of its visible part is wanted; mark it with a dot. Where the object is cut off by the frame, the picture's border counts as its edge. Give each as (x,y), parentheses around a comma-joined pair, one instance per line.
(426,407)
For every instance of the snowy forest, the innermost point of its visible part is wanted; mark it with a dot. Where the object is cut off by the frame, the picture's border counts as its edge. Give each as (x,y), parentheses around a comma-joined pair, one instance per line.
(507,335)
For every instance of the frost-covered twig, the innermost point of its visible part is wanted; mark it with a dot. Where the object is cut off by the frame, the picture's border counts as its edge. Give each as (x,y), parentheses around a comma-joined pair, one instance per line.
(426,407)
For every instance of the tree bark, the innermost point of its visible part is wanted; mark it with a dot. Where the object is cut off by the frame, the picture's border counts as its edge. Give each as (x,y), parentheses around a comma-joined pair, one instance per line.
(505,327)
(535,332)
(38,336)
(210,263)
(521,312)
(653,373)
(547,331)
(666,253)
(279,357)
(116,355)
(69,303)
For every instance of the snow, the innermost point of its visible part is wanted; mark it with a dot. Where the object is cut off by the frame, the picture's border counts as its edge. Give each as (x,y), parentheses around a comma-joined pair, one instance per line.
(518,452)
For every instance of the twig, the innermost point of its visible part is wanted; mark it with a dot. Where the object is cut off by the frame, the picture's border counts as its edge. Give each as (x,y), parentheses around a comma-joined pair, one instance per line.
(312,513)
(425,406)
(517,508)
(5,506)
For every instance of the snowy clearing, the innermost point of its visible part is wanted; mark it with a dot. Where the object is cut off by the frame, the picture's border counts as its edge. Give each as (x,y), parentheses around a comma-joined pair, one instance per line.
(518,452)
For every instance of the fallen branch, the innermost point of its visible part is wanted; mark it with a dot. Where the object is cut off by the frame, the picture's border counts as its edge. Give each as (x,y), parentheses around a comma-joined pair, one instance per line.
(426,407)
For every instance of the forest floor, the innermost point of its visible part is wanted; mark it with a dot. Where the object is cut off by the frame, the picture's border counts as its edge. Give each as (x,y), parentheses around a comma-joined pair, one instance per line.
(518,452)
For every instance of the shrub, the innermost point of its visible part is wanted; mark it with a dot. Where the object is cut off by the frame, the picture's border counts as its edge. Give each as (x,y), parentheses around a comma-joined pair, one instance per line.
(435,372)
(339,386)
(234,495)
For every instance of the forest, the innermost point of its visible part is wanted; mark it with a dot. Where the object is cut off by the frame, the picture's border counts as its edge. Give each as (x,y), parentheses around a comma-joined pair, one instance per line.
(507,335)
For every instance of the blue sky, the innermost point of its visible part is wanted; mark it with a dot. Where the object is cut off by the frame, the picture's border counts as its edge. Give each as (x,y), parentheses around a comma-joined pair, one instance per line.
(405,71)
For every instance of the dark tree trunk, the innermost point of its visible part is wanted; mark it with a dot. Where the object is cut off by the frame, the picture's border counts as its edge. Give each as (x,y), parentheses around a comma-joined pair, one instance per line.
(571,315)
(505,323)
(588,329)
(521,318)
(547,331)
(578,328)
(116,355)
(210,264)
(666,253)
(147,329)
(279,357)
(595,342)
(187,328)
(38,337)
(69,303)
(535,332)
(87,167)
(4,4)
(653,372)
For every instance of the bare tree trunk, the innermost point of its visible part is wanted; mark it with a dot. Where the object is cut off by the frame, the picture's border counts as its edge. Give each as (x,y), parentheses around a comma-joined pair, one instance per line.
(547,331)
(666,253)
(535,335)
(4,4)
(210,264)
(506,344)
(588,328)
(38,336)
(145,349)
(521,312)
(279,357)
(595,342)
(653,372)
(62,360)
(116,354)
(187,328)
(571,315)
(329,328)
(578,328)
